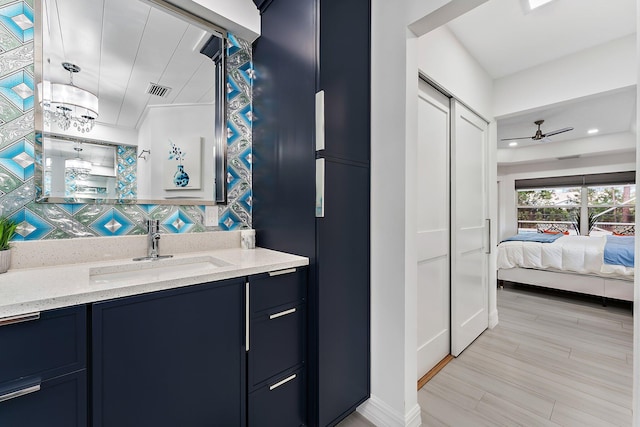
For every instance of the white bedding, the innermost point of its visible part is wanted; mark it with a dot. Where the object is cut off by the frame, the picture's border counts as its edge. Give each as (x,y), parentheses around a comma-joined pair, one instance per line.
(579,254)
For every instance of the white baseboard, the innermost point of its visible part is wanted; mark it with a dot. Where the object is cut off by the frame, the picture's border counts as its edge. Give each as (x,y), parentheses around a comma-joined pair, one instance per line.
(493,319)
(383,415)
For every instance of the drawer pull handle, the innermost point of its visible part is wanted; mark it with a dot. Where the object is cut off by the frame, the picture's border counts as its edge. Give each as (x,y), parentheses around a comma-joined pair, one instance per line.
(280,272)
(246,317)
(282,313)
(284,381)
(19,393)
(19,319)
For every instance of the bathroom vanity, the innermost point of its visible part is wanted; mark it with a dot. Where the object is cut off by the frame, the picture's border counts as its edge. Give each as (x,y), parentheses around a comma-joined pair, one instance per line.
(204,338)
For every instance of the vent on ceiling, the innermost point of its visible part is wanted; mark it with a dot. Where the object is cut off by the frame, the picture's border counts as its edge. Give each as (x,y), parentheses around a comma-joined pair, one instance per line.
(157,90)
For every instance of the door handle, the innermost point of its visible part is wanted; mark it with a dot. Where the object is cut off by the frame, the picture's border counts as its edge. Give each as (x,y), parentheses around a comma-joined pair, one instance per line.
(488,226)
(246,316)
(19,393)
(19,319)
(282,313)
(284,381)
(281,272)
(319,188)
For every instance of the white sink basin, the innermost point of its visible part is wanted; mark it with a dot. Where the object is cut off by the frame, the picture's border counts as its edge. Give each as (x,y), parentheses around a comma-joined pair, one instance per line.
(162,269)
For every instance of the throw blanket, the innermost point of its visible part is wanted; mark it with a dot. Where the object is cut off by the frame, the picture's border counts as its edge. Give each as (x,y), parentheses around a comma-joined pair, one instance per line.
(619,250)
(534,237)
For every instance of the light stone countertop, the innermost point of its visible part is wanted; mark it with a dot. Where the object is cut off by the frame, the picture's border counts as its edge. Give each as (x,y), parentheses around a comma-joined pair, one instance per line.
(28,290)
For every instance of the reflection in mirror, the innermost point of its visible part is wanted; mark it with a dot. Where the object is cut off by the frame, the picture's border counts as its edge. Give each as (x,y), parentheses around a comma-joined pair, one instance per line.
(79,170)
(131,74)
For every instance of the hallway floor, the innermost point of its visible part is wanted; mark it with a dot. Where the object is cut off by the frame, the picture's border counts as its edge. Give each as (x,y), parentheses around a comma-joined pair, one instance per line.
(552,361)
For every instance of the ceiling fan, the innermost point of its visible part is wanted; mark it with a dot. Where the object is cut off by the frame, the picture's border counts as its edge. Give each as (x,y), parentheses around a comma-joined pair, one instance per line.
(539,135)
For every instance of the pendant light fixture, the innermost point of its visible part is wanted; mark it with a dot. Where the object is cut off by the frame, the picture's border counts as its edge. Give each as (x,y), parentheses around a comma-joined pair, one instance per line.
(68,105)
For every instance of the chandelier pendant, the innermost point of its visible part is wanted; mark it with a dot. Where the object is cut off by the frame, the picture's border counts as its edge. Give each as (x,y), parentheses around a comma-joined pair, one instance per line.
(67,105)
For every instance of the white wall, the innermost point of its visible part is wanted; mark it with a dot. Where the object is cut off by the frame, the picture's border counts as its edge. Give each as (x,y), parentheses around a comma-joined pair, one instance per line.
(394,106)
(445,60)
(160,125)
(571,77)
(240,17)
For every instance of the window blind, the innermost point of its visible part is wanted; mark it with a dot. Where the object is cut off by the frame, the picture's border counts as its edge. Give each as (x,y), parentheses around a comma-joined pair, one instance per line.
(614,178)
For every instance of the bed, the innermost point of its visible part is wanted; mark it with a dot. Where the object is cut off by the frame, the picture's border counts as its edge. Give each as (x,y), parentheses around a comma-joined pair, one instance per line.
(601,266)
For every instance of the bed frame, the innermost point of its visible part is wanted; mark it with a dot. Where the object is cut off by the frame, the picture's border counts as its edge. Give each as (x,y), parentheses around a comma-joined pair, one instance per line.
(582,283)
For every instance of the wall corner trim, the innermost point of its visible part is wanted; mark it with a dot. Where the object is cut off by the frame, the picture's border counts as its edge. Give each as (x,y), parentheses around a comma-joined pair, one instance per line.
(381,414)
(493,319)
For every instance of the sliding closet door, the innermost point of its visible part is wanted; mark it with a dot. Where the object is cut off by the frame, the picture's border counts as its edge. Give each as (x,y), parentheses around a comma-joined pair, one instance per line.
(469,227)
(433,227)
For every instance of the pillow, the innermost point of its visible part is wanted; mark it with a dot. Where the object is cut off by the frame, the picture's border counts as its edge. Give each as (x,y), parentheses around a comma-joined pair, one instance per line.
(624,230)
(555,232)
(553,228)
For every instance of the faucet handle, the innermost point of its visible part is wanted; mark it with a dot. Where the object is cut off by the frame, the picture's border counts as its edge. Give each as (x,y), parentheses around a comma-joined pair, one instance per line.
(153,226)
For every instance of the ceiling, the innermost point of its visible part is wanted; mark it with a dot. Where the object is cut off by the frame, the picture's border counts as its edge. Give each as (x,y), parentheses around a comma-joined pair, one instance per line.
(609,113)
(505,38)
(122,46)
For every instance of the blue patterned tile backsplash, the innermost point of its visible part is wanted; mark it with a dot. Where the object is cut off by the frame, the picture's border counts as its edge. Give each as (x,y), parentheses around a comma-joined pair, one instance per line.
(59,221)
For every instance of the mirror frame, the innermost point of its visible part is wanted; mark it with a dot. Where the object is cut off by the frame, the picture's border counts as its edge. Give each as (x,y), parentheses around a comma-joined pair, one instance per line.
(219,122)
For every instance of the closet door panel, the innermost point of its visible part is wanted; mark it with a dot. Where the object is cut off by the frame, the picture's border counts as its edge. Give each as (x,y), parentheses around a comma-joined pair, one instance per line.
(344,77)
(342,297)
(433,227)
(469,239)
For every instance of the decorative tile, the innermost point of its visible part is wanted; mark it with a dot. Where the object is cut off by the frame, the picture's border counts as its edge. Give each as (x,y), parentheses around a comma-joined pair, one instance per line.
(178,222)
(30,226)
(17,59)
(18,159)
(18,89)
(18,19)
(112,223)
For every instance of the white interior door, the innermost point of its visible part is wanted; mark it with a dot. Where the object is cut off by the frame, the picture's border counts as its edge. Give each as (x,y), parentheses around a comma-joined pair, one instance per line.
(433,227)
(469,227)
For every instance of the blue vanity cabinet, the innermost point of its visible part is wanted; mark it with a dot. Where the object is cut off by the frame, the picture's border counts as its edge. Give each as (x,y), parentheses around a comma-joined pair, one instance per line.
(171,358)
(277,354)
(43,369)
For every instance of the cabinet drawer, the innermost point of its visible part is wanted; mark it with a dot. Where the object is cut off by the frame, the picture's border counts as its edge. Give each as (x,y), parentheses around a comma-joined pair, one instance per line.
(58,402)
(277,343)
(277,288)
(45,346)
(280,403)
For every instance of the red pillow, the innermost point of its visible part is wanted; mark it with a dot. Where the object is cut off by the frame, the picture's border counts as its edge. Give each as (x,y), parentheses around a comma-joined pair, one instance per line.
(555,232)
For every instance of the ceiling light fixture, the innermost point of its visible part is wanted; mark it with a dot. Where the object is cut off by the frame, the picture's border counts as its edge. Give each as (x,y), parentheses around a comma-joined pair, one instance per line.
(77,166)
(592,131)
(513,144)
(67,104)
(533,4)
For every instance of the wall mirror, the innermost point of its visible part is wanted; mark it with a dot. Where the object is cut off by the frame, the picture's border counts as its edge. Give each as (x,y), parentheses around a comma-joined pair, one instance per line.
(139,82)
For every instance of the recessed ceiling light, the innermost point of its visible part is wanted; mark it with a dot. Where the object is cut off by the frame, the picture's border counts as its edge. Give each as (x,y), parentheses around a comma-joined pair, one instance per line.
(592,131)
(533,4)
(513,144)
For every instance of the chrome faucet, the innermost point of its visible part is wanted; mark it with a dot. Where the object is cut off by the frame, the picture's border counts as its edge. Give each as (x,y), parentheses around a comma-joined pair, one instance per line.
(153,240)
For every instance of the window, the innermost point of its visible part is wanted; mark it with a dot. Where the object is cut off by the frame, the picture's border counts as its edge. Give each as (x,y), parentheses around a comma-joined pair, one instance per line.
(607,208)
(611,209)
(548,208)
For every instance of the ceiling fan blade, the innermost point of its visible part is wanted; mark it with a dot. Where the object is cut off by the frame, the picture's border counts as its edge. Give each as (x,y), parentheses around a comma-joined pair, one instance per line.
(555,132)
(511,139)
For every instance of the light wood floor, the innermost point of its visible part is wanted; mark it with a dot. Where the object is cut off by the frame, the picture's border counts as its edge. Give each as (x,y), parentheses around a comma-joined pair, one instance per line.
(552,361)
